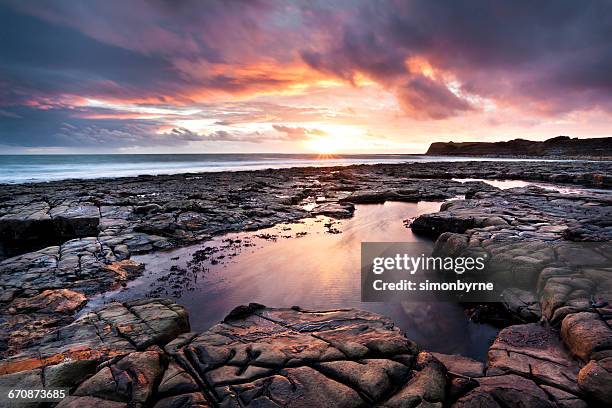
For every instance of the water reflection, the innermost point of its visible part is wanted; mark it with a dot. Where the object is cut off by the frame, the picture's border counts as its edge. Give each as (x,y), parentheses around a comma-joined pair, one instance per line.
(314,264)
(563,189)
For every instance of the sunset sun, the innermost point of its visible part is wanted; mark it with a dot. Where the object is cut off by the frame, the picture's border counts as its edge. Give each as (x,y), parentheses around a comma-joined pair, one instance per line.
(324,145)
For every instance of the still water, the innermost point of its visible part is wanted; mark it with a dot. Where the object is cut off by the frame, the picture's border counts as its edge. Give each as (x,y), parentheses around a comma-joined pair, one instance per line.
(561,188)
(314,264)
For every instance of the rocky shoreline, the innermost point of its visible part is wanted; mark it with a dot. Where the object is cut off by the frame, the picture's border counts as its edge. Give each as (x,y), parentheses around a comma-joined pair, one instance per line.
(555,250)
(66,241)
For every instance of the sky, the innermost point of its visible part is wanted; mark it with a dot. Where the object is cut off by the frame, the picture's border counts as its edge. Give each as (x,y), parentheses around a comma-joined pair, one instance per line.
(163,76)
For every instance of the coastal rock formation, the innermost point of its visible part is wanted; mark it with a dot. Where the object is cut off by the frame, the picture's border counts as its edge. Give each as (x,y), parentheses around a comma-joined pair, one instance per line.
(260,356)
(533,238)
(29,225)
(507,391)
(594,379)
(116,329)
(553,250)
(523,305)
(533,351)
(148,212)
(561,146)
(301,358)
(95,226)
(42,290)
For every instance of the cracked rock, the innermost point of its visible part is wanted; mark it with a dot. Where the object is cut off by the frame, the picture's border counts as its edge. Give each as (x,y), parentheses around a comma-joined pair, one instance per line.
(116,329)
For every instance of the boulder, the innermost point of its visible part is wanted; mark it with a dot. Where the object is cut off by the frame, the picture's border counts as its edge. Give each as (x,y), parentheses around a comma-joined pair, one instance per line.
(595,379)
(584,333)
(426,388)
(131,379)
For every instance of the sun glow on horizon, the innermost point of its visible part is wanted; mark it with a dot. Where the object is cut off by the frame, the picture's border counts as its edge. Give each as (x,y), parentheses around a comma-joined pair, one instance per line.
(323,145)
(335,138)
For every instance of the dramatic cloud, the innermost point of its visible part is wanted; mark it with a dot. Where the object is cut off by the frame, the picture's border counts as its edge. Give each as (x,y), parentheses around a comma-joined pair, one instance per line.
(219,135)
(553,55)
(423,97)
(297,133)
(188,72)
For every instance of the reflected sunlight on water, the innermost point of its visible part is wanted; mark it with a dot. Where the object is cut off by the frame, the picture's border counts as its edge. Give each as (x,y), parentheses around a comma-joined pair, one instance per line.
(314,263)
(561,188)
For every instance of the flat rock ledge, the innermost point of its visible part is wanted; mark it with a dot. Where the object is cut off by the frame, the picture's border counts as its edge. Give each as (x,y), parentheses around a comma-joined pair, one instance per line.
(114,330)
(141,354)
(136,214)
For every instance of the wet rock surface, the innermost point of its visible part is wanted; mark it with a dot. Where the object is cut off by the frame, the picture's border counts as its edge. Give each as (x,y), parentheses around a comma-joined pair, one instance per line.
(260,356)
(80,234)
(137,211)
(116,329)
(291,357)
(553,250)
(535,352)
(65,241)
(42,290)
(256,357)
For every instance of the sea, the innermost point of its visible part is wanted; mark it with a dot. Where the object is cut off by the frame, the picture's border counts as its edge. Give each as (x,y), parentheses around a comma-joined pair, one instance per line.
(42,168)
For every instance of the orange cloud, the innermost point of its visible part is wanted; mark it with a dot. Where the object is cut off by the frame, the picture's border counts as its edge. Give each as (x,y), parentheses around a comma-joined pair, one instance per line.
(263,77)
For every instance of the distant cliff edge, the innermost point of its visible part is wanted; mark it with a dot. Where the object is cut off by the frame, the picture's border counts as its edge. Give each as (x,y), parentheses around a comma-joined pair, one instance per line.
(557,146)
